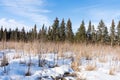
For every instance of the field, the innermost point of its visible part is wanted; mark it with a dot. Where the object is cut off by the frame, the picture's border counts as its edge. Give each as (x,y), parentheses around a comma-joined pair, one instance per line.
(58,61)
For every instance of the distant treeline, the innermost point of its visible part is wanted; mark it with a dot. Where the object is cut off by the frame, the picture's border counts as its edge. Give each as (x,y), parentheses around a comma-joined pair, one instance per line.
(62,32)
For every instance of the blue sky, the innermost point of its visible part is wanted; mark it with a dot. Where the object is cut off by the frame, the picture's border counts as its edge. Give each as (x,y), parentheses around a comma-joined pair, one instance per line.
(19,13)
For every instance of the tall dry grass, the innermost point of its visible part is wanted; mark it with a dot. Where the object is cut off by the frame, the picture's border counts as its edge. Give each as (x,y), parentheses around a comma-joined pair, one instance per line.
(87,51)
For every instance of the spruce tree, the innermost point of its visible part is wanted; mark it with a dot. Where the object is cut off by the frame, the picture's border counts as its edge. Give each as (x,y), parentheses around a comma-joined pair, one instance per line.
(49,35)
(55,30)
(4,35)
(39,34)
(34,33)
(93,34)
(100,32)
(29,36)
(16,34)
(9,34)
(112,33)
(1,33)
(89,32)
(118,33)
(69,32)
(106,36)
(22,34)
(62,31)
(12,35)
(81,33)
(43,33)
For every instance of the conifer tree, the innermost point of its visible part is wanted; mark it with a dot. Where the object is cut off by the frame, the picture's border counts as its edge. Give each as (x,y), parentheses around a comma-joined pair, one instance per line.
(81,33)
(34,32)
(118,33)
(69,32)
(62,31)
(106,36)
(29,35)
(1,34)
(22,35)
(16,34)
(9,34)
(4,35)
(49,35)
(12,35)
(112,33)
(43,33)
(100,32)
(55,30)
(89,32)
(93,34)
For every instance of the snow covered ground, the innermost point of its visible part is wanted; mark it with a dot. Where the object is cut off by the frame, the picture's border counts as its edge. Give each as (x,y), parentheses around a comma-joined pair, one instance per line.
(57,67)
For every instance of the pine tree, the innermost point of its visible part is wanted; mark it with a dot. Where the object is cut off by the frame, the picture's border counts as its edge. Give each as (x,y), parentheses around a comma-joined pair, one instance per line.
(4,38)
(4,35)
(100,32)
(43,33)
(81,33)
(93,34)
(34,33)
(22,35)
(69,32)
(112,33)
(9,34)
(49,35)
(31,35)
(55,30)
(1,34)
(118,33)
(39,34)
(62,31)
(106,36)
(12,35)
(16,34)
(89,32)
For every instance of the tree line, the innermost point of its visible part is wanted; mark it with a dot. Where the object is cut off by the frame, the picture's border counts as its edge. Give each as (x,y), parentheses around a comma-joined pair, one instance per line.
(62,32)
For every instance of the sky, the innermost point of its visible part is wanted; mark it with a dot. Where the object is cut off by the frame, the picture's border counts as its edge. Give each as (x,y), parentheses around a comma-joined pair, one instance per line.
(27,13)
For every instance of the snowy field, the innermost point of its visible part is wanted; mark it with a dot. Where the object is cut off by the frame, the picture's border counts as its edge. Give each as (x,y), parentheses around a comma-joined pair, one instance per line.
(49,66)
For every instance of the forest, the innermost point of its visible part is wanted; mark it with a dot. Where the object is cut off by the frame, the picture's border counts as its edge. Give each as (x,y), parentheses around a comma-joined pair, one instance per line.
(61,31)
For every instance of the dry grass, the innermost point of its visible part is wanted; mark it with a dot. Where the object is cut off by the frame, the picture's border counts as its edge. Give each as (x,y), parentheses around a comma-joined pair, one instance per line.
(90,67)
(75,66)
(17,56)
(112,71)
(80,50)
(102,59)
(88,50)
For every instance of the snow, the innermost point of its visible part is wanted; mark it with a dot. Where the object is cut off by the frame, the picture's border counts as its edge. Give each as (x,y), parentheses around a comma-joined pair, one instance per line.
(17,68)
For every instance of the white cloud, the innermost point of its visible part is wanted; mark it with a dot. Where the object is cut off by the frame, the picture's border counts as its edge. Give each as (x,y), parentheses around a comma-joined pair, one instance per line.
(29,9)
(11,23)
